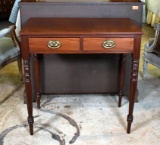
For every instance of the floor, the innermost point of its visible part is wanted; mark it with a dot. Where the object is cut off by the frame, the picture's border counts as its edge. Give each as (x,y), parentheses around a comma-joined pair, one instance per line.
(81,119)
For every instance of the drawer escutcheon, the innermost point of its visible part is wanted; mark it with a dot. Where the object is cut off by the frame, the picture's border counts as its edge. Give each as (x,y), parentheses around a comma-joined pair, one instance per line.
(108,44)
(54,44)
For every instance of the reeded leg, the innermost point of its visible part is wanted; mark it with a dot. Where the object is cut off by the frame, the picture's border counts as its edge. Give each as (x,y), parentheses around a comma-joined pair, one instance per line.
(121,79)
(133,87)
(145,63)
(28,88)
(37,79)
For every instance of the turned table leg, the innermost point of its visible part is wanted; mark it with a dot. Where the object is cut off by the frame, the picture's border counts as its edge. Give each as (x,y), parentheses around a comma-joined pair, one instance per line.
(133,87)
(133,80)
(28,88)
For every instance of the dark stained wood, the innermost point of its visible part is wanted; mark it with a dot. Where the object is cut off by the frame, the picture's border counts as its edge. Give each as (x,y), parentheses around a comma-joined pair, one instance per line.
(133,81)
(28,94)
(28,85)
(83,30)
(122,76)
(96,44)
(40,45)
(88,26)
(37,79)
(102,63)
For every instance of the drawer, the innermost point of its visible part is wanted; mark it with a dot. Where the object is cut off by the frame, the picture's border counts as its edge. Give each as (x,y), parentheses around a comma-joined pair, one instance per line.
(108,44)
(51,45)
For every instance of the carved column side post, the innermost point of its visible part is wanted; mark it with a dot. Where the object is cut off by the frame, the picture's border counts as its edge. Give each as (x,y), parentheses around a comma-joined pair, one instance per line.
(37,79)
(133,80)
(28,86)
(122,76)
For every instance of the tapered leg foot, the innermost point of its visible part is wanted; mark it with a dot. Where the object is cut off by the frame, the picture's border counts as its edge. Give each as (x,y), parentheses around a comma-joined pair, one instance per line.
(38,101)
(119,101)
(31,129)
(129,128)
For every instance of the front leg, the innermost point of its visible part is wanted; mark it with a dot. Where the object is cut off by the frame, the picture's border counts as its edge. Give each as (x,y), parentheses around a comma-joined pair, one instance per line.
(133,87)
(28,89)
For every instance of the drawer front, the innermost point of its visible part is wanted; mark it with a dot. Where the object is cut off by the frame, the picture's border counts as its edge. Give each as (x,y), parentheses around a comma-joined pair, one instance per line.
(108,44)
(54,45)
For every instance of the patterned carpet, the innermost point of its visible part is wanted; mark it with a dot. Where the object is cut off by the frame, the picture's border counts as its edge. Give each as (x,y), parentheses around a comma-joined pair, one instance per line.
(80,119)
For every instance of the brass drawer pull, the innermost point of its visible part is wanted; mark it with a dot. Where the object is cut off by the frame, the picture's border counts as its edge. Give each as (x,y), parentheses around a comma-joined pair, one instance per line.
(54,44)
(108,44)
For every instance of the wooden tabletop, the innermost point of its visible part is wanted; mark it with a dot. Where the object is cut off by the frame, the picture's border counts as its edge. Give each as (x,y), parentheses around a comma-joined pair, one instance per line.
(50,26)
